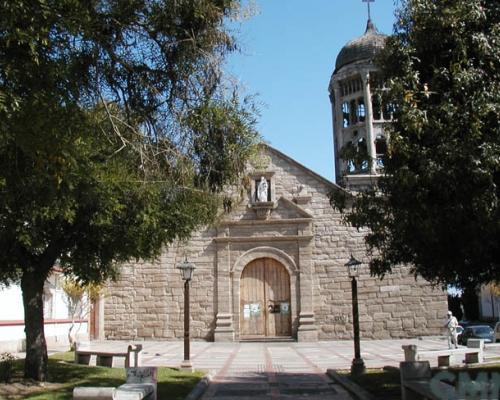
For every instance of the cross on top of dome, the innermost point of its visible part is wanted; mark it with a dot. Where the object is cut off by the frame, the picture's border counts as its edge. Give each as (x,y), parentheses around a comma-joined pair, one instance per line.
(368,4)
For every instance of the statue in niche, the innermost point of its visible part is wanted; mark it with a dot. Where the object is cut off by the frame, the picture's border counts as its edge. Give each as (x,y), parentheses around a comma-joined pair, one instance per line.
(262,190)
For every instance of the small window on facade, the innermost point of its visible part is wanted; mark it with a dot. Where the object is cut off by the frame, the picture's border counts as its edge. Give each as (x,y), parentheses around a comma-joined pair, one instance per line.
(388,111)
(375,81)
(345,114)
(363,154)
(354,117)
(380,145)
(376,106)
(361,109)
(381,150)
(48,300)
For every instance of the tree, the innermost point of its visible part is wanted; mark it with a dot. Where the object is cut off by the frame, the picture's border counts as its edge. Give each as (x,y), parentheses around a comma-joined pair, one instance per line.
(436,207)
(118,133)
(79,299)
(495,288)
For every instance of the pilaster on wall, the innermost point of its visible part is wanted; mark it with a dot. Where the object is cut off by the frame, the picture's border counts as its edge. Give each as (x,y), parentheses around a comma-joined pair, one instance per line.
(307,331)
(224,330)
(100,318)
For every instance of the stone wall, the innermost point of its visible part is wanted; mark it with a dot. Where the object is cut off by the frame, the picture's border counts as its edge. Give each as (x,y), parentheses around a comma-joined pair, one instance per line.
(147,300)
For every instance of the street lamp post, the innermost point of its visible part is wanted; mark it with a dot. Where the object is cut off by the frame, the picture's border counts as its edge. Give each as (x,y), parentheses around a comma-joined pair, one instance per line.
(187,270)
(358,365)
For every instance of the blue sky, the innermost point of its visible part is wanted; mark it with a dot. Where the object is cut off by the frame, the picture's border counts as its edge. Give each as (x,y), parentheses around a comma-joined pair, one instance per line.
(288,55)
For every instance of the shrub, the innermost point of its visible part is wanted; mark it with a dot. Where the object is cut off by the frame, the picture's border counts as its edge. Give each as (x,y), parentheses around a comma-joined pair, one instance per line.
(6,367)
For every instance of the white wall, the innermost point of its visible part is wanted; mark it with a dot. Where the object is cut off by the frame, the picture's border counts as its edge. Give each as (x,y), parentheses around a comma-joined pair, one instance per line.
(55,307)
(52,331)
(12,303)
(489,305)
(12,335)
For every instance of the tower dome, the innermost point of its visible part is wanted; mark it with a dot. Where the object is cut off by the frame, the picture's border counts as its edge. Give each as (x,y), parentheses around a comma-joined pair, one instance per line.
(362,48)
(359,115)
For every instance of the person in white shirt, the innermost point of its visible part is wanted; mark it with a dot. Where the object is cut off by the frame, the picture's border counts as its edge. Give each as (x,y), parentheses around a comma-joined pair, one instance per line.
(451,328)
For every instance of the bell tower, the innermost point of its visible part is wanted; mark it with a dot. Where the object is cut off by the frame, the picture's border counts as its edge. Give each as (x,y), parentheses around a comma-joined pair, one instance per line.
(358,113)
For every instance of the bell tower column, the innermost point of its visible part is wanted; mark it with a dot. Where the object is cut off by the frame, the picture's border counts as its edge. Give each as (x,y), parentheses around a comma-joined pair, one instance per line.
(370,137)
(338,133)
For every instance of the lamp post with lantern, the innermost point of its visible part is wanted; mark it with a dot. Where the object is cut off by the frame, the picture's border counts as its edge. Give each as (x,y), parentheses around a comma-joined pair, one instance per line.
(358,365)
(186,268)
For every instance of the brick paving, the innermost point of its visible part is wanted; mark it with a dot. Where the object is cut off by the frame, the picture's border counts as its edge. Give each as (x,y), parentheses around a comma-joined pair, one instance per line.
(279,370)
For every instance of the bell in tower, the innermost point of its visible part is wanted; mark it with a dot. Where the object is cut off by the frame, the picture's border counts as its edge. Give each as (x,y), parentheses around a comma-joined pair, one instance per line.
(358,113)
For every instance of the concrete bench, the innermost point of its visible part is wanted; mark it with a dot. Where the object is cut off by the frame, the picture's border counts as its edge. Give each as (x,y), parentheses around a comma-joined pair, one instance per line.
(473,353)
(141,384)
(416,383)
(471,357)
(94,393)
(106,358)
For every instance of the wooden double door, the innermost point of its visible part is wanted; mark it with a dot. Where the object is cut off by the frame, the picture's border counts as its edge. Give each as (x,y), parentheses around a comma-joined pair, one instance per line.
(265,309)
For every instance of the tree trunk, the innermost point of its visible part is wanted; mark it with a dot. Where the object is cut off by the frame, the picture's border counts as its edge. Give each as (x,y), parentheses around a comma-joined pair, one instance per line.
(35,365)
(71,336)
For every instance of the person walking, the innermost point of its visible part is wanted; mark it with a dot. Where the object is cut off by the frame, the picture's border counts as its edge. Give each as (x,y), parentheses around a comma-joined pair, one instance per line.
(451,327)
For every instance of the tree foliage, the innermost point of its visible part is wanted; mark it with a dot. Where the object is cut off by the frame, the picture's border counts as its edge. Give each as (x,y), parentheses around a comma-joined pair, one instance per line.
(118,133)
(437,205)
(495,288)
(79,299)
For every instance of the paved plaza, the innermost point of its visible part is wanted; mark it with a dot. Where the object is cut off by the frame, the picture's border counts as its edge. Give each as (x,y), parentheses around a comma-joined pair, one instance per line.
(278,370)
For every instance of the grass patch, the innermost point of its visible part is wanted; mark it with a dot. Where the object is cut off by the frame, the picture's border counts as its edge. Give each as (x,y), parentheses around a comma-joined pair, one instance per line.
(383,383)
(380,383)
(63,376)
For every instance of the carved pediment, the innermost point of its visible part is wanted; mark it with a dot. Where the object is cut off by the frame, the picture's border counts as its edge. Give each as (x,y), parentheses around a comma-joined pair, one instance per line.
(282,209)
(287,209)
(282,212)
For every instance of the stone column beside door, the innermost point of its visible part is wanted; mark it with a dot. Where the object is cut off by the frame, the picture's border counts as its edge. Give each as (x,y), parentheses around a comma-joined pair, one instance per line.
(307,331)
(224,331)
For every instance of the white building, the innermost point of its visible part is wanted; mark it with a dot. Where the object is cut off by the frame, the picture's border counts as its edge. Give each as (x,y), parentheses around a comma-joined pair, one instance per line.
(56,315)
(489,304)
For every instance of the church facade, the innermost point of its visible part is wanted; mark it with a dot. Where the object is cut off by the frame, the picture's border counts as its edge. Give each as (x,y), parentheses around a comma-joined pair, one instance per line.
(270,269)
(274,267)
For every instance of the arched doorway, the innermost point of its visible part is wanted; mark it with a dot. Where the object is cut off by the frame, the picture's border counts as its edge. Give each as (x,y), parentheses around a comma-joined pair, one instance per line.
(265,300)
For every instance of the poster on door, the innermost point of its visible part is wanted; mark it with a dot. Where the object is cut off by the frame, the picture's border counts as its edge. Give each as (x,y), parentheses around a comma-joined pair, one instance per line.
(254,309)
(246,311)
(285,308)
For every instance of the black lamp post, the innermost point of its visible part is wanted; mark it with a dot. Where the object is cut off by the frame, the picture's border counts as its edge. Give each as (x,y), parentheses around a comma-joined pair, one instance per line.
(358,365)
(187,270)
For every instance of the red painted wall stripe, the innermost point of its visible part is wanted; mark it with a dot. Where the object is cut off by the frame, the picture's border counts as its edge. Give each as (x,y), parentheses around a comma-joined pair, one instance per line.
(16,322)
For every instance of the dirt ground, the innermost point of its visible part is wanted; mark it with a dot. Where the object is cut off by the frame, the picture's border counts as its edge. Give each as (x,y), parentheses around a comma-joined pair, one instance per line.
(20,388)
